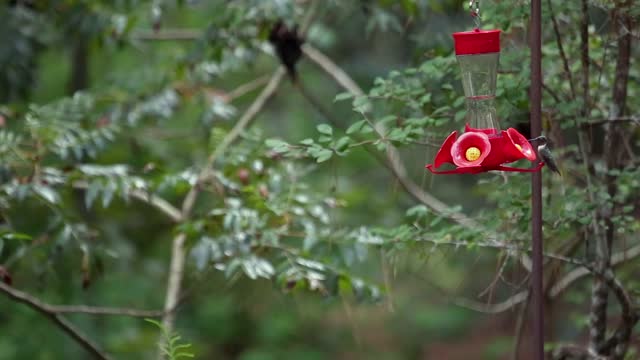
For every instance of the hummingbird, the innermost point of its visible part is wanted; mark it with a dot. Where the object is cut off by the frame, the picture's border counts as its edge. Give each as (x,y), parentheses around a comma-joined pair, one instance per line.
(545,153)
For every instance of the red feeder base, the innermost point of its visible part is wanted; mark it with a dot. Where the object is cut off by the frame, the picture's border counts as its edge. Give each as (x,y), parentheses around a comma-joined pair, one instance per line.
(482,150)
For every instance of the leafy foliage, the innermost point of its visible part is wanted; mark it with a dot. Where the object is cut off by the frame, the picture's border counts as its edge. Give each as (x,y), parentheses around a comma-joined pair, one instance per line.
(93,185)
(172,346)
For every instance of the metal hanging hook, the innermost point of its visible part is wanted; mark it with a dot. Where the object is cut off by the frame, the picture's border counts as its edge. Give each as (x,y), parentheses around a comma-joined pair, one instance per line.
(474,7)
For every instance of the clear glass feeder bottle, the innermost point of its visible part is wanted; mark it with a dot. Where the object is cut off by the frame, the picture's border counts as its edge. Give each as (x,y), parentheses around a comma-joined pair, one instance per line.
(478,53)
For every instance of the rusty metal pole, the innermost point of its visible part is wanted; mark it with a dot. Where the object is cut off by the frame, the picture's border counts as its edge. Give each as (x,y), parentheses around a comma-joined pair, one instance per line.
(535,103)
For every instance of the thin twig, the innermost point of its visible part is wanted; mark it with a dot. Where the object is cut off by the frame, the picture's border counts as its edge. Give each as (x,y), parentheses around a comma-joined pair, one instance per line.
(248,117)
(494,308)
(551,92)
(581,271)
(247,88)
(336,72)
(157,202)
(617,259)
(168,35)
(634,119)
(97,310)
(563,56)
(49,312)
(520,326)
(503,261)
(618,344)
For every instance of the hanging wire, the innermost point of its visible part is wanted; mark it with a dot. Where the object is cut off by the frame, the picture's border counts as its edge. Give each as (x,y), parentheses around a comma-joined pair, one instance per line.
(474,7)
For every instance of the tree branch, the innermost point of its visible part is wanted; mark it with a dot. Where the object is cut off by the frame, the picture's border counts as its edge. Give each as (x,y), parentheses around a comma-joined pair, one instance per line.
(333,70)
(494,308)
(618,344)
(583,270)
(248,117)
(576,274)
(520,326)
(612,146)
(49,312)
(178,253)
(157,202)
(168,35)
(97,310)
(635,119)
(247,88)
(573,352)
(563,56)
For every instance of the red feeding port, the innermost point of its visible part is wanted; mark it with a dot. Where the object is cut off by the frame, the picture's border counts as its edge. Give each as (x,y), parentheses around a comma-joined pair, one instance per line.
(482,150)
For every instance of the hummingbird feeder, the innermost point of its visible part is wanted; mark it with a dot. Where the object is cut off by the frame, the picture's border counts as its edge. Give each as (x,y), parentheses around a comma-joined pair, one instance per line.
(483,146)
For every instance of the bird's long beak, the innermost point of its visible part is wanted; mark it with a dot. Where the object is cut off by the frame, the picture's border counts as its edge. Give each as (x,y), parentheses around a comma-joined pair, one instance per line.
(539,138)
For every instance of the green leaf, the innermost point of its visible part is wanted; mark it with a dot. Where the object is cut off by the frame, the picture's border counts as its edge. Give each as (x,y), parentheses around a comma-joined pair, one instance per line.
(417,211)
(15,236)
(355,127)
(343,96)
(91,194)
(273,143)
(361,104)
(387,119)
(255,267)
(342,143)
(47,193)
(324,155)
(107,193)
(277,145)
(344,286)
(325,129)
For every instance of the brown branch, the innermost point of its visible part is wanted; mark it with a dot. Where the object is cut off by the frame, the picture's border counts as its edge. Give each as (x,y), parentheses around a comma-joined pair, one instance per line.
(520,326)
(333,70)
(576,274)
(494,308)
(97,310)
(553,94)
(569,279)
(563,56)
(574,352)
(634,119)
(247,118)
(618,344)
(612,148)
(157,202)
(600,291)
(178,253)
(168,35)
(247,88)
(49,312)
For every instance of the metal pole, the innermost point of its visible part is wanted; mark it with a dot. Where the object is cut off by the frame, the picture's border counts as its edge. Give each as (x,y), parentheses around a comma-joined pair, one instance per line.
(535,102)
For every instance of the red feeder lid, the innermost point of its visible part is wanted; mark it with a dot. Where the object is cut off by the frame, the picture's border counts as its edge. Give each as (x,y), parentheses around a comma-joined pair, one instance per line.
(477,42)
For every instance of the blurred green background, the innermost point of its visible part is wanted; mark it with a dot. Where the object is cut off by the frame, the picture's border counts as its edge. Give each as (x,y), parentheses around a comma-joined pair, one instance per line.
(159,73)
